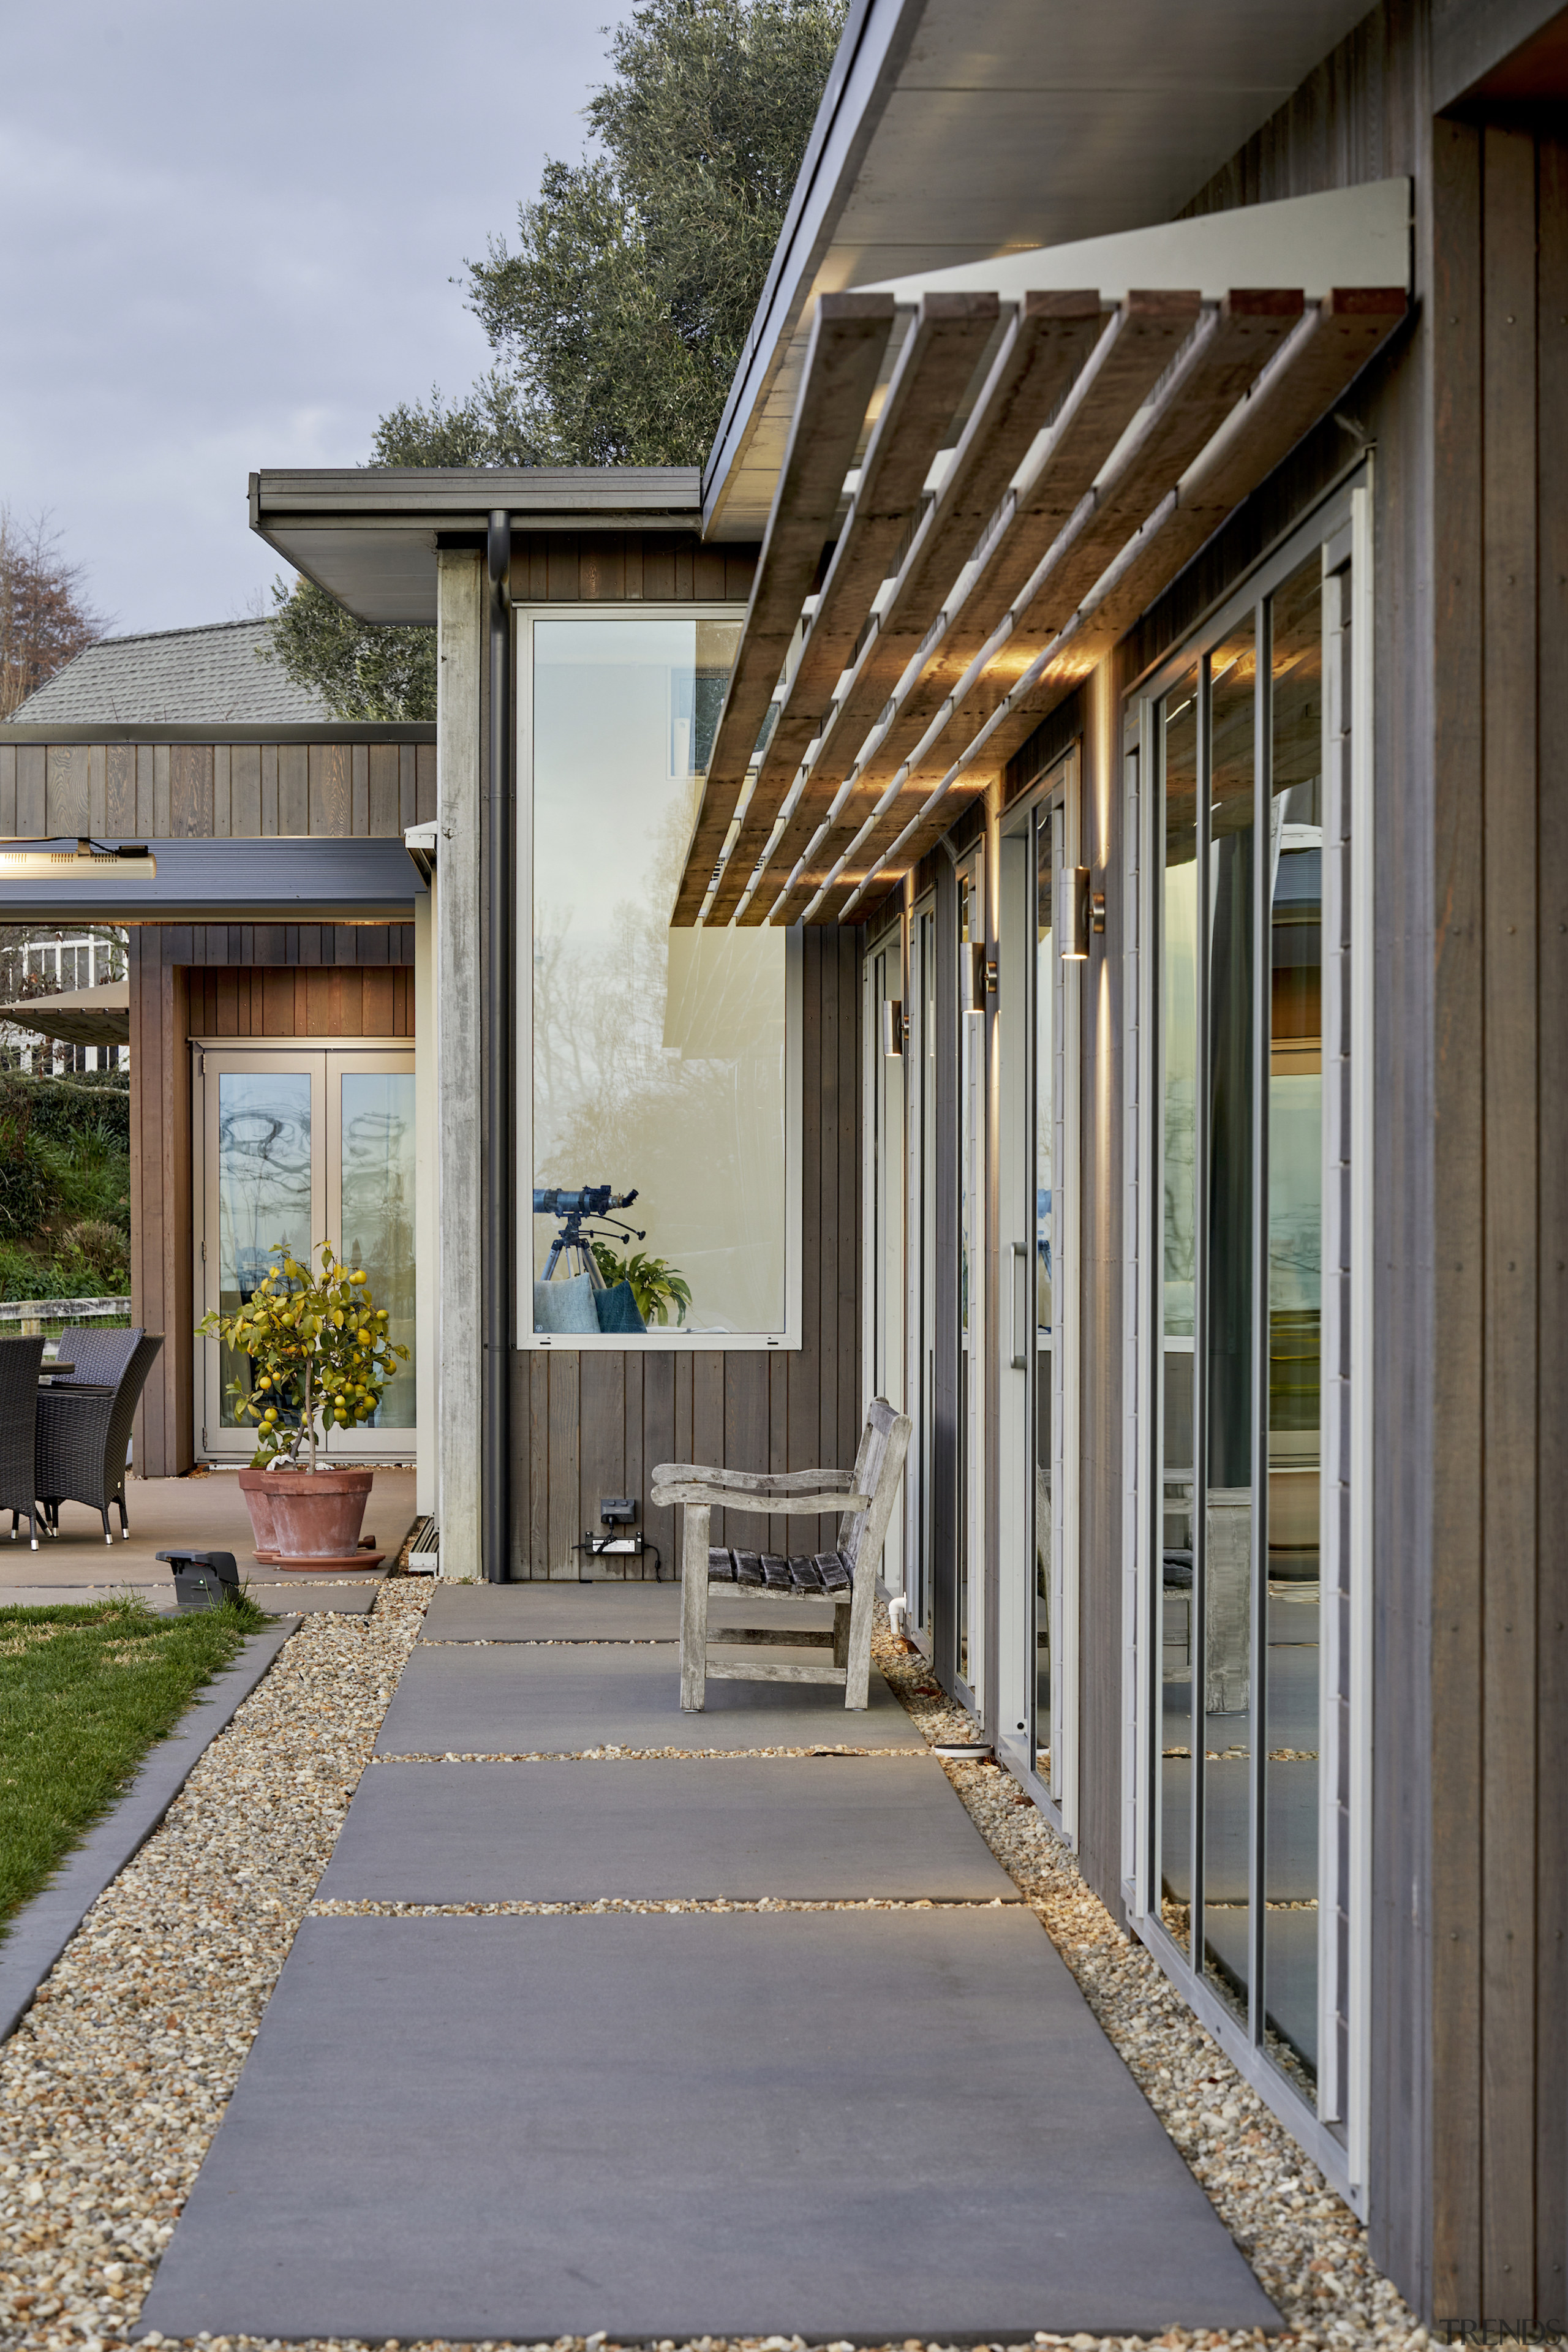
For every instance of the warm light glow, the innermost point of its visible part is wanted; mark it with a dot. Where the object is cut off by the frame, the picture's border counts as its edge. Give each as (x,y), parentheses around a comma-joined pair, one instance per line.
(85,863)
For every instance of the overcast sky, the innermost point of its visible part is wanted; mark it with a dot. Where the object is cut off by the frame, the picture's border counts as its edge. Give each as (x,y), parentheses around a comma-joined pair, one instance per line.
(228,233)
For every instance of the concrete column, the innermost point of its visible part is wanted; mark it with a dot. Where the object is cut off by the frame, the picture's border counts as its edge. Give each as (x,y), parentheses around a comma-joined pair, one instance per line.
(459,639)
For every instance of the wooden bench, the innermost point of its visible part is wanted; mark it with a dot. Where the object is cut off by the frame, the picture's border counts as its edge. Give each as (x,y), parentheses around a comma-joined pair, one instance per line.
(847,1576)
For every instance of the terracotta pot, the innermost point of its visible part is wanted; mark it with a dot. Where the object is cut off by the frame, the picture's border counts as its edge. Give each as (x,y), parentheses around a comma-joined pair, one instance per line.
(316,1514)
(258,1503)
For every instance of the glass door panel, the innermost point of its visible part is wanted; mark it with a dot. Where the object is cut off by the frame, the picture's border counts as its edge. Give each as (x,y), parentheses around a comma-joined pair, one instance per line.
(375,1226)
(921,1095)
(1295,1016)
(297,1144)
(1228,1352)
(1178,1087)
(263,1154)
(970,1578)
(885,1047)
(1046,1404)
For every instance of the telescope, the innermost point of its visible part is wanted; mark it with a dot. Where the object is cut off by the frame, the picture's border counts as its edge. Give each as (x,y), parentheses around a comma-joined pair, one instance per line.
(588,1201)
(572,1243)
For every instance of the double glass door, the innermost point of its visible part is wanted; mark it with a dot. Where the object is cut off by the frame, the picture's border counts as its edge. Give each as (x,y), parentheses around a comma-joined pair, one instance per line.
(302,1144)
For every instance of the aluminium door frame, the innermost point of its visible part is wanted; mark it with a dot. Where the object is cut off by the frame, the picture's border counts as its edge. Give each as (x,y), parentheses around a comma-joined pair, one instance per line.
(879,1147)
(240,1053)
(1344,517)
(1055,798)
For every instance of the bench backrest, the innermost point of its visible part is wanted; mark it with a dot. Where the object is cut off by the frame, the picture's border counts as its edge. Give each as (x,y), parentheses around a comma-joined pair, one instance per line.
(878,1466)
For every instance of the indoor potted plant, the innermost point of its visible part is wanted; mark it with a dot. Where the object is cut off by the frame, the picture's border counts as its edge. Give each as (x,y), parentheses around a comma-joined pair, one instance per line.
(321,1356)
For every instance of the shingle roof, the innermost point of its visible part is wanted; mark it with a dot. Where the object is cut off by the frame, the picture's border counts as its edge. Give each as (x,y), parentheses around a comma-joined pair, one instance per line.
(174,677)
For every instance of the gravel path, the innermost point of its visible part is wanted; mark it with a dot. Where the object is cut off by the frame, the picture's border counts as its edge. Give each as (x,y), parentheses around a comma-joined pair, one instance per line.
(116,2080)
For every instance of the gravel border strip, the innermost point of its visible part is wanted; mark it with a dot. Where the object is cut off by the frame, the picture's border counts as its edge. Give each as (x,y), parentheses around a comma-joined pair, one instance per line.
(34,1939)
(371,1910)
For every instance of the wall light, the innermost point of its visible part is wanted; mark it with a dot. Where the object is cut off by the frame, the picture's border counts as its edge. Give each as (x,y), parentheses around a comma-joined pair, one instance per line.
(1073,913)
(30,860)
(978,974)
(892,1028)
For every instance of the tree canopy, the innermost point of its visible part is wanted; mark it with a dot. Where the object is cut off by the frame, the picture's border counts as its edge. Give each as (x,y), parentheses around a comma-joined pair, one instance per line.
(618,317)
(44,617)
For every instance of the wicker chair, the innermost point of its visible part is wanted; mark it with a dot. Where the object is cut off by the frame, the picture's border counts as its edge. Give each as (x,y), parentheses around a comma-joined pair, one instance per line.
(97,1354)
(19,1362)
(84,1435)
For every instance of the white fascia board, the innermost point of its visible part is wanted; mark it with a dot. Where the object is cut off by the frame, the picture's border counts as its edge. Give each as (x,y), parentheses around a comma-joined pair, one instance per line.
(1345,237)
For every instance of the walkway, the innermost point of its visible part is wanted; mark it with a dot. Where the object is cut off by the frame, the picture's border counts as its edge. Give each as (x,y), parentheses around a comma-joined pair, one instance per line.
(756,2040)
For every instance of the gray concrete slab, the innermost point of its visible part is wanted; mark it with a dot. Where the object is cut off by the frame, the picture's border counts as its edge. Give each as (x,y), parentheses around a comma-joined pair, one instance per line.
(862,2124)
(355,1600)
(512,1700)
(595,1612)
(40,1931)
(823,1828)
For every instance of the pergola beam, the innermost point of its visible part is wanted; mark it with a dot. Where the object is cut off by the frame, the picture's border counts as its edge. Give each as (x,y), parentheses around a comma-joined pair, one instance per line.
(848,339)
(938,357)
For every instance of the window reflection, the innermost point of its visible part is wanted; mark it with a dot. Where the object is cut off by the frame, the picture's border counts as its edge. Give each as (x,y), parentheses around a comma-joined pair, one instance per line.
(1177,1267)
(658,1055)
(1046,827)
(263,1194)
(1295,1302)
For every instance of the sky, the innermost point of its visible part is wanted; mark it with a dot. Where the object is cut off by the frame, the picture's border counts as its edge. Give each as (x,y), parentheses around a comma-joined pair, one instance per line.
(229,236)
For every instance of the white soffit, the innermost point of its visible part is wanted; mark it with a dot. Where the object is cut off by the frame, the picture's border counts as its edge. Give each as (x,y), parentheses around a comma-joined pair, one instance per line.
(1343,237)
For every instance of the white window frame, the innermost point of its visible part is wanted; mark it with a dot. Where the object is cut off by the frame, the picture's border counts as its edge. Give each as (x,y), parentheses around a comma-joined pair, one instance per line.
(674,1341)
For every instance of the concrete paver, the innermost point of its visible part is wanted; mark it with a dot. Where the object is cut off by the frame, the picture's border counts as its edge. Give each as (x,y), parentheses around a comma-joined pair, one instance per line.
(869,2124)
(792,1827)
(512,1700)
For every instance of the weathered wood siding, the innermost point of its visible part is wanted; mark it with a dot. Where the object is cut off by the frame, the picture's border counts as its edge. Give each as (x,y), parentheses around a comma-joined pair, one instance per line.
(1498,1721)
(592,1424)
(172,792)
(612,567)
(260,980)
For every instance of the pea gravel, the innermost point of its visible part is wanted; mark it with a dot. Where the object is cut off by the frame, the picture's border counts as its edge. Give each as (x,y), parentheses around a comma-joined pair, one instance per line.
(114,2083)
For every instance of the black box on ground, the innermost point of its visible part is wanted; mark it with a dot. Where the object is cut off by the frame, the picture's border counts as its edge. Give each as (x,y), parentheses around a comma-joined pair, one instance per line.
(203,1579)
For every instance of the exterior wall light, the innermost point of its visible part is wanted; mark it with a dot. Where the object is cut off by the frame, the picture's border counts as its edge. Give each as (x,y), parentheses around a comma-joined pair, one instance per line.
(979,970)
(892,1028)
(1074,913)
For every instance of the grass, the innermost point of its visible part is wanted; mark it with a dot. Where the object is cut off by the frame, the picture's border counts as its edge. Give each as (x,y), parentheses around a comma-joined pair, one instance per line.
(84,1693)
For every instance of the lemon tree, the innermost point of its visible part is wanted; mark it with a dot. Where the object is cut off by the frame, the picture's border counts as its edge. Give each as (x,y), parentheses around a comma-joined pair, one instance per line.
(319,1347)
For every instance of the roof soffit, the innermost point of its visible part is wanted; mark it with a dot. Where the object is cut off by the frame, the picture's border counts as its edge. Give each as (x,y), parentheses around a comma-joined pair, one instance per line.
(961,129)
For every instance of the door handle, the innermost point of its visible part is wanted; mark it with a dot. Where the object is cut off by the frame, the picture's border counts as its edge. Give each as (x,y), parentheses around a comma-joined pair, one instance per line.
(1019,1251)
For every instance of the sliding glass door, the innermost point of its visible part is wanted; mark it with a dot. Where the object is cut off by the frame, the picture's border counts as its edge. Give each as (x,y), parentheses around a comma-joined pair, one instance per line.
(298,1144)
(1254,1586)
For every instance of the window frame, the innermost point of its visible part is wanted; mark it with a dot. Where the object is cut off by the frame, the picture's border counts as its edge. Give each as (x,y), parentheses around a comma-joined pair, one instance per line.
(790,1336)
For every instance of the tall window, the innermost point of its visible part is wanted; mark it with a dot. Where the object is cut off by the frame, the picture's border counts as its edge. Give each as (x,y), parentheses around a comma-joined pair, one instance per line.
(1250,742)
(657,1056)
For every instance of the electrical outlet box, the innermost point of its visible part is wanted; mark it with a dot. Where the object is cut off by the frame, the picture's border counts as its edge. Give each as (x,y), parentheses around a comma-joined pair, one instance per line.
(617,1510)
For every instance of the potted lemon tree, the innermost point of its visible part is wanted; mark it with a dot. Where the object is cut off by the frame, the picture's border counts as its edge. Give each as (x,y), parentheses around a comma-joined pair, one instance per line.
(321,1356)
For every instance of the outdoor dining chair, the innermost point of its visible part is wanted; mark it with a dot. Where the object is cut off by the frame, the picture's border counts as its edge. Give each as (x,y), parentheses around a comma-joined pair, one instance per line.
(84,1437)
(97,1353)
(19,1362)
(847,1576)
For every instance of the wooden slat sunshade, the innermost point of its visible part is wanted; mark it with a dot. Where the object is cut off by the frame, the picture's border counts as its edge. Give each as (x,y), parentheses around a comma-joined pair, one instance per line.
(1105,446)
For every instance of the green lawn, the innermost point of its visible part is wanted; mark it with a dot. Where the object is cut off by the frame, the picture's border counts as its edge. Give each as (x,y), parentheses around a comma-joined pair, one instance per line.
(84,1693)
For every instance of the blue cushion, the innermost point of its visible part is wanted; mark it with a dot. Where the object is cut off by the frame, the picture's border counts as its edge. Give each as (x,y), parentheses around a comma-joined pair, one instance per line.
(566,1307)
(619,1308)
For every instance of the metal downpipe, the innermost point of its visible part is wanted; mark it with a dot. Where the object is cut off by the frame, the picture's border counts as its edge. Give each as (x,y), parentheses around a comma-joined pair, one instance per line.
(496,1438)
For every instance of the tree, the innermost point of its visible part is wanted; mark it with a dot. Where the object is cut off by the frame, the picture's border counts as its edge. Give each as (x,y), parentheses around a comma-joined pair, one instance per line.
(45,618)
(619,319)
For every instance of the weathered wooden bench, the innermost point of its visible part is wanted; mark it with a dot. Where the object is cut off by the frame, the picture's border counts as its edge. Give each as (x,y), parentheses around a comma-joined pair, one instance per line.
(847,1576)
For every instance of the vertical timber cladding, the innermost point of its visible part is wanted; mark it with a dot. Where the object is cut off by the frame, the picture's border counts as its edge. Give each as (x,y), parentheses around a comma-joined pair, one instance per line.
(1499,1599)
(595,1423)
(240,792)
(251,979)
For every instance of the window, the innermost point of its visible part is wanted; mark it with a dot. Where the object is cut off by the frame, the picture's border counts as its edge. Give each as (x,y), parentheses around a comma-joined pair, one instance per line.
(658,1060)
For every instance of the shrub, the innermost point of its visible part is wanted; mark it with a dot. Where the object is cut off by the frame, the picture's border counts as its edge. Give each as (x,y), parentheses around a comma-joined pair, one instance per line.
(105,1250)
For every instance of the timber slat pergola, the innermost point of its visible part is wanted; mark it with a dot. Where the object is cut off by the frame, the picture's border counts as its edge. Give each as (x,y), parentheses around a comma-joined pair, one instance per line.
(1035,474)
